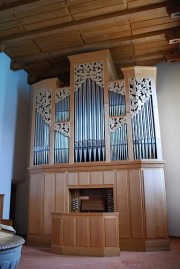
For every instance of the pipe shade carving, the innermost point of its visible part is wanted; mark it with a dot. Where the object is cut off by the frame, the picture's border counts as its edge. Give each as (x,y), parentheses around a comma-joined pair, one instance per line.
(92,70)
(140,91)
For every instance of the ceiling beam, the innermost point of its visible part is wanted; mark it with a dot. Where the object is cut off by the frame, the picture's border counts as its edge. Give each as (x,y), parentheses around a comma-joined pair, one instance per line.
(93,46)
(80,24)
(23,3)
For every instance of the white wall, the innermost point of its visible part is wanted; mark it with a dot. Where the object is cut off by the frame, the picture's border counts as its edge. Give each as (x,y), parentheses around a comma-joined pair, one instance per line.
(14,123)
(168,93)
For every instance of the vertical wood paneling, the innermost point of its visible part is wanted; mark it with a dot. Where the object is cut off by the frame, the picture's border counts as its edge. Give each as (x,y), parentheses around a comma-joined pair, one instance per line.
(61,198)
(49,181)
(82,232)
(69,230)
(136,203)
(122,192)
(56,228)
(96,232)
(155,203)
(36,204)
(96,178)
(110,234)
(84,178)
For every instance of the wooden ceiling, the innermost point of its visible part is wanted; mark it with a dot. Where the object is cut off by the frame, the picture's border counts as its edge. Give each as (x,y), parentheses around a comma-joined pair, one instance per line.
(38,35)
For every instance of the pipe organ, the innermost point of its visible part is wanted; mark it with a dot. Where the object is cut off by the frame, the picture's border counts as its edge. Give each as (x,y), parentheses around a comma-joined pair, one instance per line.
(99,135)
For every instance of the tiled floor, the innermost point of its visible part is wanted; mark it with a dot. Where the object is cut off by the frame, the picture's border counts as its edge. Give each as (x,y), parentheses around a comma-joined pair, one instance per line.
(37,258)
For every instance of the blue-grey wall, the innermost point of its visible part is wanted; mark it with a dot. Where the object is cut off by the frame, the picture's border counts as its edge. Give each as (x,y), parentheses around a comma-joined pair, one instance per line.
(14,124)
(168,93)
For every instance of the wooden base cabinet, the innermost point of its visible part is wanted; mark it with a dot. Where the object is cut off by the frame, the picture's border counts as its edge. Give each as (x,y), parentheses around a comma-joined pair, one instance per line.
(91,234)
(139,198)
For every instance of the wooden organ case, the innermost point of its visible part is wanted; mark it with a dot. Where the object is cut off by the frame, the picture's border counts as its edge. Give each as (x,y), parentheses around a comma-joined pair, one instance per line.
(96,149)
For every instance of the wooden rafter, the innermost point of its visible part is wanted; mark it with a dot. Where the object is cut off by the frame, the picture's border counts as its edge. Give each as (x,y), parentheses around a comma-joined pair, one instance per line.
(96,46)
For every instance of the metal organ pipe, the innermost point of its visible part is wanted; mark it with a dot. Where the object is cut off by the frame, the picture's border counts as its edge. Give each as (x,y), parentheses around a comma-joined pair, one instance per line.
(118,138)
(143,129)
(61,142)
(41,140)
(89,123)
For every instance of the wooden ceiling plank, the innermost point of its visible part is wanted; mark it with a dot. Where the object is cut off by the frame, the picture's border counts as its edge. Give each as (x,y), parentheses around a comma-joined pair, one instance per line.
(51,7)
(152,22)
(107,37)
(13,31)
(45,16)
(71,40)
(9,25)
(156,28)
(52,22)
(107,30)
(23,53)
(152,14)
(98,4)
(137,3)
(98,12)
(150,45)
(155,49)
(25,4)
(82,23)
(94,46)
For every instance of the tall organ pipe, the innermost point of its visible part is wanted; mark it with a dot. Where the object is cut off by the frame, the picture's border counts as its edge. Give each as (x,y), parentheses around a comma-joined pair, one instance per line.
(41,141)
(61,142)
(89,123)
(143,129)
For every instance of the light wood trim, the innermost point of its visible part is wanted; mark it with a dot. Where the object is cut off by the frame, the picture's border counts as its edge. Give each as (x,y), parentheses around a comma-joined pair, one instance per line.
(156,119)
(1,205)
(128,74)
(31,159)
(97,166)
(51,144)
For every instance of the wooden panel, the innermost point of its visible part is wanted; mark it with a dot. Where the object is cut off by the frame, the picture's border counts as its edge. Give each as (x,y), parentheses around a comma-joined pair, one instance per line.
(36,204)
(82,232)
(85,234)
(54,42)
(109,177)
(81,11)
(84,178)
(96,178)
(110,234)
(136,201)
(49,183)
(72,179)
(69,231)
(1,205)
(61,198)
(96,232)
(122,194)
(56,228)
(155,203)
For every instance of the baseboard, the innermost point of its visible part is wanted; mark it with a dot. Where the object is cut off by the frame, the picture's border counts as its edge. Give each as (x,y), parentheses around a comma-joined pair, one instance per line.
(39,241)
(144,245)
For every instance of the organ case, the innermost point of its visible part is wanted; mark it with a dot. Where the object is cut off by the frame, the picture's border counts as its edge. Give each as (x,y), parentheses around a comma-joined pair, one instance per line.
(99,133)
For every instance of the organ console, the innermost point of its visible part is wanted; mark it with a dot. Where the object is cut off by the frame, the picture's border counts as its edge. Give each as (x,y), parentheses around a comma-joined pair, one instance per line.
(96,149)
